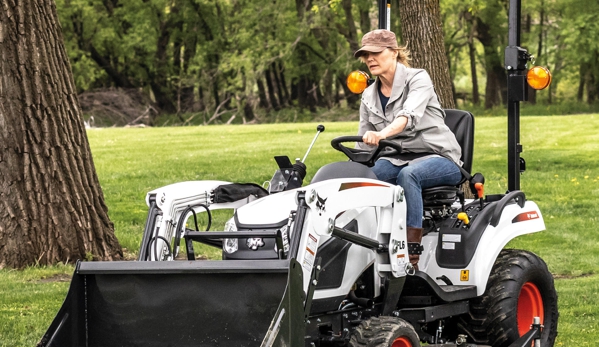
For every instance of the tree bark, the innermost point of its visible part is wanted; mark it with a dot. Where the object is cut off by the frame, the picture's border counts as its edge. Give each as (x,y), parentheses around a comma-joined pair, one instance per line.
(281,71)
(271,89)
(364,18)
(352,32)
(262,94)
(472,56)
(473,73)
(423,35)
(582,71)
(278,86)
(496,87)
(51,205)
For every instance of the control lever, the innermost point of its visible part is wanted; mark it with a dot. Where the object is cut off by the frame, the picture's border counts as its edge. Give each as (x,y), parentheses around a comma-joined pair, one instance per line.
(477,187)
(319,129)
(480,190)
(464,218)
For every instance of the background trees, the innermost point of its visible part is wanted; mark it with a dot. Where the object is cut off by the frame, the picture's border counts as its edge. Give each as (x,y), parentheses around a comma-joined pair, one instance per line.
(261,55)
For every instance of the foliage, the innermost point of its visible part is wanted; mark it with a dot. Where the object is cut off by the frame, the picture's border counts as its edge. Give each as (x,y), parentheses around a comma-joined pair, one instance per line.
(257,56)
(192,55)
(561,177)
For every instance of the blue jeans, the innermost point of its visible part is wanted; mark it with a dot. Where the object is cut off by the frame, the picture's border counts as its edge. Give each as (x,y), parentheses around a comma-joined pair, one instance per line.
(415,177)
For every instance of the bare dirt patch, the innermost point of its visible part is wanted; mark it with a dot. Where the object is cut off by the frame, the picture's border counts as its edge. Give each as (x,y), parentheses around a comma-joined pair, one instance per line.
(55,278)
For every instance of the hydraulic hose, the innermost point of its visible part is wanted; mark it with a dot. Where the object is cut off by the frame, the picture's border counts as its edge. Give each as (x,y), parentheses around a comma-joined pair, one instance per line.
(363,302)
(180,226)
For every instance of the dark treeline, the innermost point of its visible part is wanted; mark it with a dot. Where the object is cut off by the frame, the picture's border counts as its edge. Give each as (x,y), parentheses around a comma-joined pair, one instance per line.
(249,55)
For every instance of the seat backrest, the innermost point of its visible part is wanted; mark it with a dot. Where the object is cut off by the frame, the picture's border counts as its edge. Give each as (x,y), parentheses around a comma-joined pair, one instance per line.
(461,123)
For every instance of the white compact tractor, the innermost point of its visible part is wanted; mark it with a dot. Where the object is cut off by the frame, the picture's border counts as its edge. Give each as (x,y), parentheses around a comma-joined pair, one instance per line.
(327,263)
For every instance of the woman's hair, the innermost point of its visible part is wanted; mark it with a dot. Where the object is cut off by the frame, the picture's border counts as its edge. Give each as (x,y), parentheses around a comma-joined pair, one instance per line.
(403,56)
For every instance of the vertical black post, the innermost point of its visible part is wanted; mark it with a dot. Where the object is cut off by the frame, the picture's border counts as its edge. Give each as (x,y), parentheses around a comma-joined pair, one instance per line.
(384,14)
(515,64)
(514,23)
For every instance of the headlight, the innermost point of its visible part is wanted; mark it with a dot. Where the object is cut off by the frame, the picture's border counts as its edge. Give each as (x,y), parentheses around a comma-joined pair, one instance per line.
(230,246)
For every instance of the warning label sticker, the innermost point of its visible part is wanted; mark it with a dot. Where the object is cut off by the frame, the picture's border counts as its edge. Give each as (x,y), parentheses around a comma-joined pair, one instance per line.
(311,246)
(465,275)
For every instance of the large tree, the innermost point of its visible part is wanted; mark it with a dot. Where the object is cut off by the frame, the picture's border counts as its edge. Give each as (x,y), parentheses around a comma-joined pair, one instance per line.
(51,205)
(422,32)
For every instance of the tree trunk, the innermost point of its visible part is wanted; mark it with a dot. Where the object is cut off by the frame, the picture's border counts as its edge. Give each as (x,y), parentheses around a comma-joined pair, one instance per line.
(328,97)
(352,32)
(471,52)
(496,88)
(262,94)
(423,34)
(281,70)
(582,71)
(532,93)
(591,83)
(472,56)
(278,86)
(271,89)
(161,87)
(51,205)
(364,11)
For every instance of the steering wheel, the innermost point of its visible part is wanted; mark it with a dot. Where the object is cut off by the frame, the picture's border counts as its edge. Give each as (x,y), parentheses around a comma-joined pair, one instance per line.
(363,156)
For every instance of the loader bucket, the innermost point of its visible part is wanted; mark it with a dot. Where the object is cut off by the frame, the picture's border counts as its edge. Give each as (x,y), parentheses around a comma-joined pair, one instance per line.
(181,303)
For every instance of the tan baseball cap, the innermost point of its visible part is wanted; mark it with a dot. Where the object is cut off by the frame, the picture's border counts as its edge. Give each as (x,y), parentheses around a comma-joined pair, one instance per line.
(376,41)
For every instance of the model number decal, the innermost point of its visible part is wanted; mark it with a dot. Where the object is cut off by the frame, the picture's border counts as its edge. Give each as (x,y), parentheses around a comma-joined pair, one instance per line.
(524,216)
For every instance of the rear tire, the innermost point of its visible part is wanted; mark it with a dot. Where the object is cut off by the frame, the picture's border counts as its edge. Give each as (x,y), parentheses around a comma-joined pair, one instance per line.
(520,287)
(384,332)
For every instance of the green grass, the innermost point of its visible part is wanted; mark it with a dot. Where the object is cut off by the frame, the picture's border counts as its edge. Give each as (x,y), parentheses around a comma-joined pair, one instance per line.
(29,300)
(562,177)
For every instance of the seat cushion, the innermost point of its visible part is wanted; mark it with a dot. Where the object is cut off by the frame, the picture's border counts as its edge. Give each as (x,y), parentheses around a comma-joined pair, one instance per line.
(438,196)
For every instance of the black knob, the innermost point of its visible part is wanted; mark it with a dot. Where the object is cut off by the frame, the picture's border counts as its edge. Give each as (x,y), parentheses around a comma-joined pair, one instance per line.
(320,128)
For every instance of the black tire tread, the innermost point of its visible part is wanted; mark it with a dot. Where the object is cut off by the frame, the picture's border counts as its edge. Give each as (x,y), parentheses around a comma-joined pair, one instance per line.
(492,316)
(381,332)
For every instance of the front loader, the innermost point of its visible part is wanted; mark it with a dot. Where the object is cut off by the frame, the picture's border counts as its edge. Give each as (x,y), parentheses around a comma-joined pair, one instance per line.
(327,263)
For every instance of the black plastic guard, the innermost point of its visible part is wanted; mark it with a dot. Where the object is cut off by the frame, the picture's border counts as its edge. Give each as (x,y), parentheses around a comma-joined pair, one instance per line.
(178,303)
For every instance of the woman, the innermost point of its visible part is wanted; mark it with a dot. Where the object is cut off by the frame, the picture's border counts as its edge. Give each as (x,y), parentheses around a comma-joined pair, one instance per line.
(401,105)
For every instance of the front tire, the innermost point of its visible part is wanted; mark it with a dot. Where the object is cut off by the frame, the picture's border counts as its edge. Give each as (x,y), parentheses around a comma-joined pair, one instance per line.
(520,287)
(384,332)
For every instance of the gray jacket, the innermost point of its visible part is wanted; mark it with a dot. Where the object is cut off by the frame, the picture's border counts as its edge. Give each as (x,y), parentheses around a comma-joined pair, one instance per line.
(413,97)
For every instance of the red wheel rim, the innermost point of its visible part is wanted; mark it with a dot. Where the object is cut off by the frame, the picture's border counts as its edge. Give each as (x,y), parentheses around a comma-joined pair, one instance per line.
(401,342)
(530,305)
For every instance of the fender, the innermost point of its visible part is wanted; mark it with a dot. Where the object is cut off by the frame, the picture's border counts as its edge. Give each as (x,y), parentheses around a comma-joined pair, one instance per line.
(515,221)
(506,219)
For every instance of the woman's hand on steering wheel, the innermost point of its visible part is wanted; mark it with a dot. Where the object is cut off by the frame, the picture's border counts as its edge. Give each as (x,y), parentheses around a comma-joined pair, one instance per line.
(372,138)
(363,156)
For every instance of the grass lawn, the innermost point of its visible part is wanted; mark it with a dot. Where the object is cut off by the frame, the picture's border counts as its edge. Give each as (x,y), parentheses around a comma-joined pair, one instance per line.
(562,177)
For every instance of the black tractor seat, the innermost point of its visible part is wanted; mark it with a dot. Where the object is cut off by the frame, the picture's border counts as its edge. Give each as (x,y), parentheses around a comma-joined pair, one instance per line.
(461,123)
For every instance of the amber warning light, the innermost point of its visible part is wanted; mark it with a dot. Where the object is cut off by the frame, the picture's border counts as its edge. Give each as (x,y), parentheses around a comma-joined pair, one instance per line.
(538,77)
(357,81)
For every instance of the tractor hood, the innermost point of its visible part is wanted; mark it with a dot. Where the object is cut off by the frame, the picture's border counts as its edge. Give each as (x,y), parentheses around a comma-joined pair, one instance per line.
(268,212)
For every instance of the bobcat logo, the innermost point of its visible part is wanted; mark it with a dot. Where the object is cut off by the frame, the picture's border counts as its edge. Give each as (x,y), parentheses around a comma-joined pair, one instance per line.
(320,204)
(255,243)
